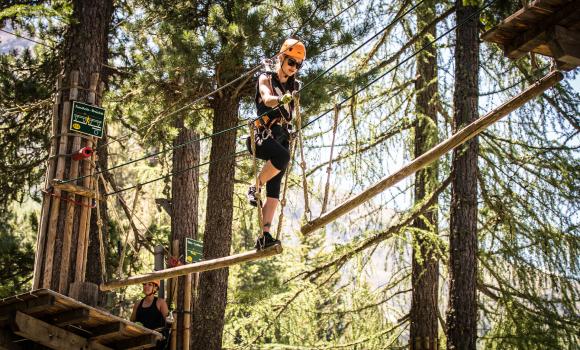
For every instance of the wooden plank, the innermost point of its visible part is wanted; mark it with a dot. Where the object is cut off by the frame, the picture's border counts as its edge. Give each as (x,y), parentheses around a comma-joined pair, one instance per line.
(29,306)
(524,19)
(565,45)
(68,317)
(457,139)
(69,187)
(50,336)
(144,341)
(537,34)
(8,341)
(208,265)
(105,331)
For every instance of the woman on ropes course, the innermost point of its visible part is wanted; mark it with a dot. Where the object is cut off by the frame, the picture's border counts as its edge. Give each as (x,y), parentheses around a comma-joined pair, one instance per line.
(275,106)
(151,311)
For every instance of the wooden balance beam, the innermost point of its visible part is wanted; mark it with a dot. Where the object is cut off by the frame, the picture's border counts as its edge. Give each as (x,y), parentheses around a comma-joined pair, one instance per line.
(457,139)
(182,270)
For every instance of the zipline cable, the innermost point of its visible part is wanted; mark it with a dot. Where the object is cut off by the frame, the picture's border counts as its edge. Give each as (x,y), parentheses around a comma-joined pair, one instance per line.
(404,61)
(147,156)
(235,155)
(338,104)
(199,99)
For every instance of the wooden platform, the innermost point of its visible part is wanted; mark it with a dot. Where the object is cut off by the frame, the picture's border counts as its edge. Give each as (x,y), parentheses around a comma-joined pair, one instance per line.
(45,319)
(547,27)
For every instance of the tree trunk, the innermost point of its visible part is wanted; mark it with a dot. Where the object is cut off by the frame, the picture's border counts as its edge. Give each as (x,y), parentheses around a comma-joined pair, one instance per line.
(59,241)
(210,308)
(462,311)
(184,218)
(425,267)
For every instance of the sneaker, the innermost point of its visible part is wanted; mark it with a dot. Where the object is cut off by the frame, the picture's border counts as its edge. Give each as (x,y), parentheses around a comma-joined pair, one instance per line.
(266,240)
(253,196)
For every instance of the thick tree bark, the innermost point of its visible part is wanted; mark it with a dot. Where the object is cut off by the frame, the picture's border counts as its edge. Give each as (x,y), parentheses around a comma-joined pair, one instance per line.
(462,311)
(85,50)
(425,267)
(184,218)
(210,308)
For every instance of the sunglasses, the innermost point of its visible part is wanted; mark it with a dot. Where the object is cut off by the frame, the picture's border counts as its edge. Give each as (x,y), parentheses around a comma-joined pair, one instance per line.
(293,63)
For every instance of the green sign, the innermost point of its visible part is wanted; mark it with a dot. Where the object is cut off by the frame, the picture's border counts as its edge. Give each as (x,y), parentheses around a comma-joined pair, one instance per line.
(193,250)
(87,119)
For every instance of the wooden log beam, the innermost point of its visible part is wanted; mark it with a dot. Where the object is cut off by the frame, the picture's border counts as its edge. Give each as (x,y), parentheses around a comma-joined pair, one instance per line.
(208,265)
(457,139)
(69,187)
(68,317)
(50,336)
(537,34)
(565,45)
(143,341)
(29,306)
(106,330)
(8,341)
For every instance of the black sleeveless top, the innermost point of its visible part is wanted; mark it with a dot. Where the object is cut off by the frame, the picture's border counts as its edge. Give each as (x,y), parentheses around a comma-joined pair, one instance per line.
(150,317)
(278,89)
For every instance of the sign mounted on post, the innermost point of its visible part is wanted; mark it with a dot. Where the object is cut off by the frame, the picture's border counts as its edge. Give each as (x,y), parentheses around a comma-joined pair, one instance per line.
(87,119)
(193,250)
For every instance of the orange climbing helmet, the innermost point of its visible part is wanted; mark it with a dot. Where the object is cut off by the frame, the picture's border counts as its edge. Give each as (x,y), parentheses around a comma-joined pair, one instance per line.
(157,283)
(294,48)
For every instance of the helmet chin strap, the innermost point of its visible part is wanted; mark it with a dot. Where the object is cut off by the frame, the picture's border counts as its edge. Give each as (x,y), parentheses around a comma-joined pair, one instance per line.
(286,75)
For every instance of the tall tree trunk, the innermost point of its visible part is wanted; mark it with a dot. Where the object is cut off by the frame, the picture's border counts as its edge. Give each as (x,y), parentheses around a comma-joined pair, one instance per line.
(85,50)
(184,213)
(462,311)
(425,270)
(210,308)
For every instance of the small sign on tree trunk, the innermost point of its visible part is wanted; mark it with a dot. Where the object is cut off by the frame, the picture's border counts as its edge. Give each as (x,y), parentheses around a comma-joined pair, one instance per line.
(87,119)
(193,250)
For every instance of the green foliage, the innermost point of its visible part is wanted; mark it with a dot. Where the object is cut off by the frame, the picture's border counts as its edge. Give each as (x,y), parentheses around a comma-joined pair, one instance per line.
(16,252)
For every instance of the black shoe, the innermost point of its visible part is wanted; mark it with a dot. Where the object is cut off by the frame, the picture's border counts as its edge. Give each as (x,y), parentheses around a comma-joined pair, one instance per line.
(265,240)
(253,196)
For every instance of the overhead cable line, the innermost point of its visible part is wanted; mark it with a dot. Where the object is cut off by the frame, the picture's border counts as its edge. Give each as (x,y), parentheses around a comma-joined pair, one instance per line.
(27,38)
(132,161)
(328,111)
(402,62)
(235,155)
(199,99)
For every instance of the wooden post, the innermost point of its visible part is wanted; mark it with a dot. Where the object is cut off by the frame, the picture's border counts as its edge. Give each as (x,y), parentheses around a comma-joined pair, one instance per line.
(42,232)
(159,265)
(174,282)
(60,168)
(460,137)
(208,265)
(187,312)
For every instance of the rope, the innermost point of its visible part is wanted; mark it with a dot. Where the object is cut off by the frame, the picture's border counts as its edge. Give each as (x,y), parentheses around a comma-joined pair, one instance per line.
(125,231)
(313,120)
(247,74)
(100,229)
(235,155)
(283,201)
(242,124)
(302,161)
(29,39)
(404,61)
(329,168)
(256,176)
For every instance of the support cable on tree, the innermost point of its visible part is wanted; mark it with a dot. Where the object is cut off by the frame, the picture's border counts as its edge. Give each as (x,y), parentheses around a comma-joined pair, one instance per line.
(255,69)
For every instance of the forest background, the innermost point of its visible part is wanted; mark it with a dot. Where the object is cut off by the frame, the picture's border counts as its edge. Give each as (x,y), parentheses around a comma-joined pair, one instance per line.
(332,289)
